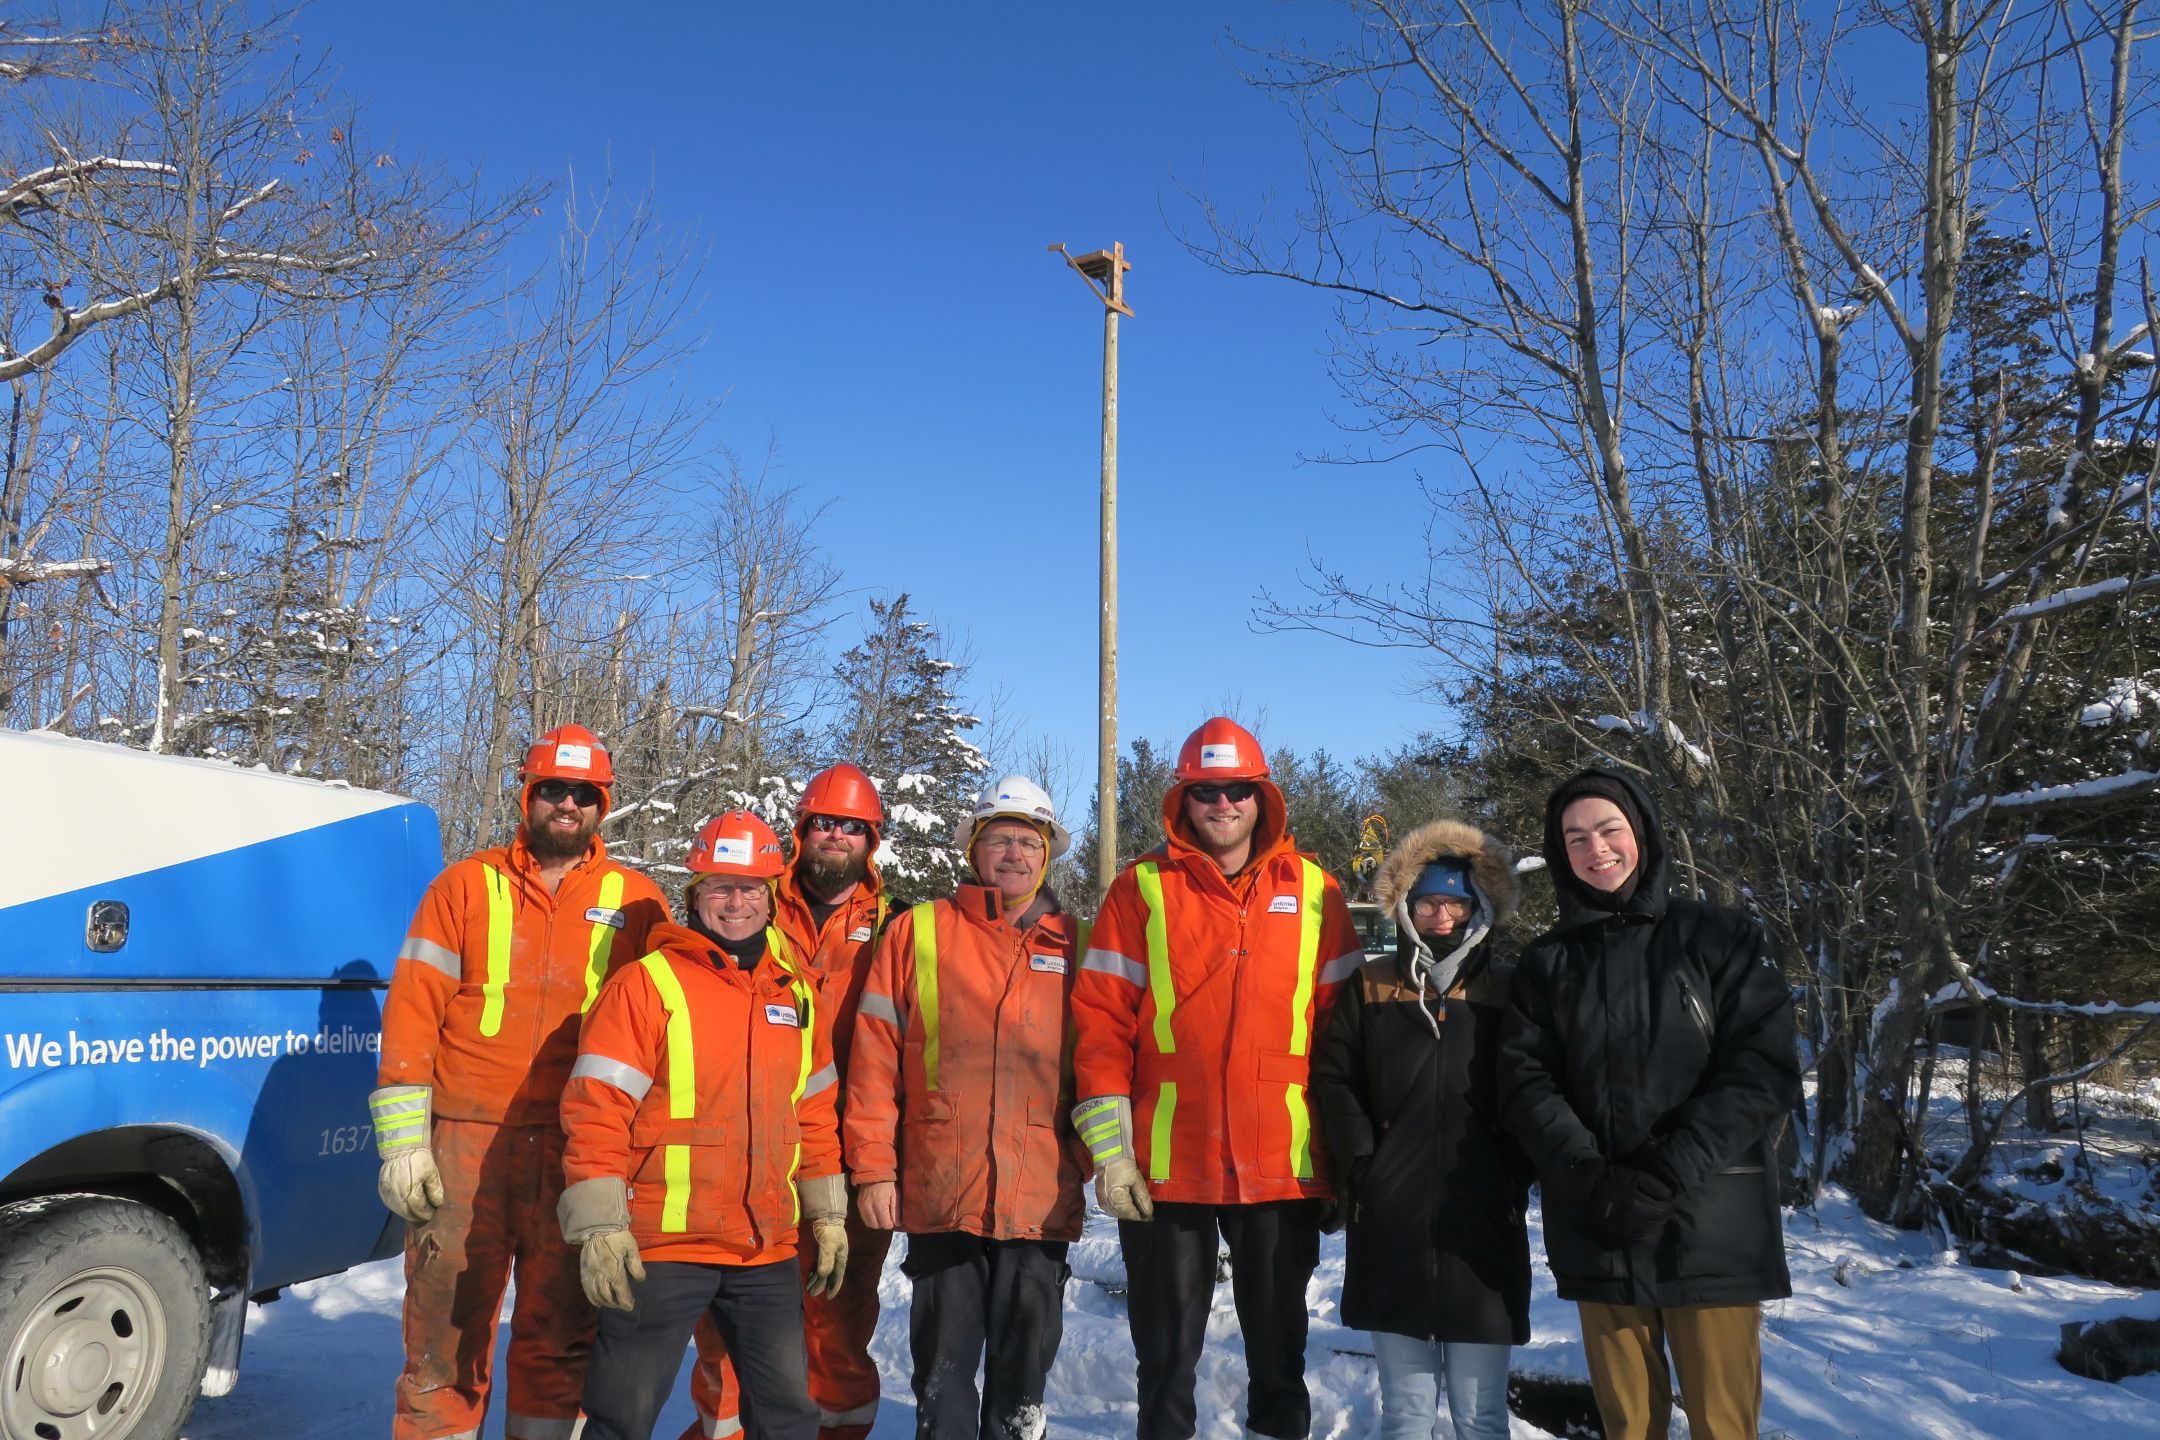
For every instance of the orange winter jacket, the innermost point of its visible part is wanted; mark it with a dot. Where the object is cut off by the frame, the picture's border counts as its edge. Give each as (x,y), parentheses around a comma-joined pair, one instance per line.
(959,1088)
(484,1003)
(840,957)
(1199,998)
(709,1089)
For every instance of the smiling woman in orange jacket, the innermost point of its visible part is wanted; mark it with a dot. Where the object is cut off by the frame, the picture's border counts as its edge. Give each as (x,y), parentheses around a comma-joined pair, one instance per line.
(700,1127)
(956,1125)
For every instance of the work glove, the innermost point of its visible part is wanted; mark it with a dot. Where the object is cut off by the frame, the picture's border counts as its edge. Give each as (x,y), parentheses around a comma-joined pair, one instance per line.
(607,1264)
(409,1182)
(1104,1123)
(595,1216)
(824,1209)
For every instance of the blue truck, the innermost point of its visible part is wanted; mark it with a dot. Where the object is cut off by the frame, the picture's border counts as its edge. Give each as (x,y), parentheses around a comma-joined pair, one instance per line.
(193,962)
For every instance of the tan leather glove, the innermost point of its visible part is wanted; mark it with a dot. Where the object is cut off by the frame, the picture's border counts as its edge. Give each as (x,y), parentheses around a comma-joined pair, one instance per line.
(824,1208)
(607,1265)
(410,1185)
(1104,1123)
(409,1182)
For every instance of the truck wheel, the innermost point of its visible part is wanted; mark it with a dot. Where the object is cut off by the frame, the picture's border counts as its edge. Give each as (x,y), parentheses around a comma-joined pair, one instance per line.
(104,1320)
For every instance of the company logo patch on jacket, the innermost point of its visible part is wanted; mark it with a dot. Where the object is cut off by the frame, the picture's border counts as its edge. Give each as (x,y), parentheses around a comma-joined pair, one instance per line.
(1283,905)
(1048,964)
(574,757)
(600,915)
(783,1015)
(1218,757)
(860,932)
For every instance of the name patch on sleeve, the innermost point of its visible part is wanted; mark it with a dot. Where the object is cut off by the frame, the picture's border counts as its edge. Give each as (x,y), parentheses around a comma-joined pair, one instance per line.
(1283,905)
(782,1015)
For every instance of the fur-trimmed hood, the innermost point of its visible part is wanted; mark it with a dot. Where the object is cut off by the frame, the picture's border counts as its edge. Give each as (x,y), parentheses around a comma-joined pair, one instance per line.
(1491,867)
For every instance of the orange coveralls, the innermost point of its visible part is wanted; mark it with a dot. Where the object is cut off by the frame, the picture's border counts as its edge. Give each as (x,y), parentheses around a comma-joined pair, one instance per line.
(483,1009)
(836,1329)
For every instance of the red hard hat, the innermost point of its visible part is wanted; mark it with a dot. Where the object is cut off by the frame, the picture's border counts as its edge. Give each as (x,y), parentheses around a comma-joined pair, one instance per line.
(1221,749)
(737,843)
(568,752)
(843,791)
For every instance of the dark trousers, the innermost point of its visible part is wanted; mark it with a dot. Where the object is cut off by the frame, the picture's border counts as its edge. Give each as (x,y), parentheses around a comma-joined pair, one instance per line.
(1170,1282)
(1001,1302)
(759,1312)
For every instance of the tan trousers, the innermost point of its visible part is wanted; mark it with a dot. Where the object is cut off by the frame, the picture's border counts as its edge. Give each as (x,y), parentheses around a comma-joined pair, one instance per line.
(1716,1353)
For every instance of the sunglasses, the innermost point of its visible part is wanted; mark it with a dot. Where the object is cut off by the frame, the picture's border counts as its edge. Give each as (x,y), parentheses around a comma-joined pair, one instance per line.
(820,824)
(552,792)
(1237,792)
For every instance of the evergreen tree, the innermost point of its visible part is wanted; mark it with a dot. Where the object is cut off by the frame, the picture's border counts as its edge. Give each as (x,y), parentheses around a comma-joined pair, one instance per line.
(902,722)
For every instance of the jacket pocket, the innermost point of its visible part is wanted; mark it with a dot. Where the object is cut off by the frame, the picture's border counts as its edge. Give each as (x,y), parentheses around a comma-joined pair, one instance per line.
(648,1131)
(1730,1227)
(929,1162)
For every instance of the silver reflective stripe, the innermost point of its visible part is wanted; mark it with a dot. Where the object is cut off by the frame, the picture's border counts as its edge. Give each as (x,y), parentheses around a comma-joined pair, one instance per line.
(822,1080)
(526,1427)
(427,952)
(860,1415)
(626,1078)
(1341,966)
(880,1006)
(1109,962)
(720,1427)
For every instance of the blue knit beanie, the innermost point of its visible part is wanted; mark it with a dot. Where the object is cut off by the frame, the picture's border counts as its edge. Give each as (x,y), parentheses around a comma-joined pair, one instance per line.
(1442,877)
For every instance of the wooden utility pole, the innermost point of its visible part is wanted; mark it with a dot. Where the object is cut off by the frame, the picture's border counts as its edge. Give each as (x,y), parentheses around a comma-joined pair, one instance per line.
(1104,271)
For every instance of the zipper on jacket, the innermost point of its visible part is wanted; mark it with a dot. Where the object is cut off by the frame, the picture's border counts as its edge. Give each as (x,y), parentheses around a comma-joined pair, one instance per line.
(1697,1011)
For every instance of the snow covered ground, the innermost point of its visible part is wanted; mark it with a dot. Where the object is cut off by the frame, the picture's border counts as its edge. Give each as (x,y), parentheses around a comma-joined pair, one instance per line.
(1883,1336)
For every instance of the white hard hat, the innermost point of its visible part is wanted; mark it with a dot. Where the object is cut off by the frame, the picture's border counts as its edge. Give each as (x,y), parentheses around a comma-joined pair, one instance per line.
(1021,799)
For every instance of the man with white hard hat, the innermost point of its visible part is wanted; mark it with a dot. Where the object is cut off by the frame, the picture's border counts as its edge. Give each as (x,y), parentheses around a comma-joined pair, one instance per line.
(955,1126)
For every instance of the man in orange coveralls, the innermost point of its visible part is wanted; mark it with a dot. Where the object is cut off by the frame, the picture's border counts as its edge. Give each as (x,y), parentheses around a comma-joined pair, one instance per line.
(480,1027)
(831,903)
(956,1120)
(701,1124)
(1214,962)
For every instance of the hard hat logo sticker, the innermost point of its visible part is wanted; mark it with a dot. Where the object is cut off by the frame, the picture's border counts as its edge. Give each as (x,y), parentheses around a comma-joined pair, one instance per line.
(1218,757)
(731,849)
(576,757)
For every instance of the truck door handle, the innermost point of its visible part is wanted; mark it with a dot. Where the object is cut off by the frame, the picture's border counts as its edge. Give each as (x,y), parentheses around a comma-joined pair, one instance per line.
(107,930)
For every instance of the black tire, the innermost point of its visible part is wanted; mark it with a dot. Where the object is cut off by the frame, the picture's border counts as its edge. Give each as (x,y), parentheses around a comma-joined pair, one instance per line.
(104,1321)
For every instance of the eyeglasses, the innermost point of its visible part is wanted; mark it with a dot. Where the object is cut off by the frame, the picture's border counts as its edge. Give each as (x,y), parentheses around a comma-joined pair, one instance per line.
(1025,844)
(553,792)
(1237,792)
(732,889)
(1455,903)
(819,824)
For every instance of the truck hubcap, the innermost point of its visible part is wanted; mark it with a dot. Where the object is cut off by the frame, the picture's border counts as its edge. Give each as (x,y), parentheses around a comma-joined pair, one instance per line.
(89,1356)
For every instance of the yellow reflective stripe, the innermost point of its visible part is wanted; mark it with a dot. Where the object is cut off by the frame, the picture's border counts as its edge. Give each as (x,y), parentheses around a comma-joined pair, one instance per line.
(1149,876)
(501,917)
(1158,1165)
(806,1002)
(924,919)
(602,941)
(1308,958)
(682,1090)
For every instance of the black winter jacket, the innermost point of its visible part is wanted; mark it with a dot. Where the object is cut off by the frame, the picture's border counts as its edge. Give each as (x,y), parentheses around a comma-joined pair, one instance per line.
(1436,1242)
(1665,1025)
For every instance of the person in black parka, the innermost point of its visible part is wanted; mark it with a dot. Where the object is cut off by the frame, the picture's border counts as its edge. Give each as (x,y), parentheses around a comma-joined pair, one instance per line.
(1646,1063)
(1405,1088)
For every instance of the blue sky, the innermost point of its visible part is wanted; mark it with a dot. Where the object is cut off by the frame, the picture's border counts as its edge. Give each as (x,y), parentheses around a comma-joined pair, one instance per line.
(878,184)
